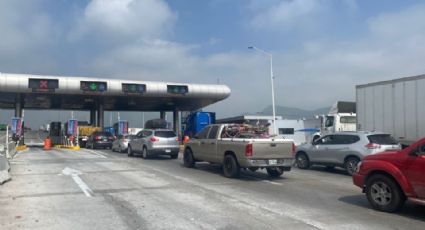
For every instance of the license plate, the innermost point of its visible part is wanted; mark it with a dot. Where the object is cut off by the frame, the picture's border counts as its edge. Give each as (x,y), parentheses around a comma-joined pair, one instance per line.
(168,150)
(272,162)
(104,139)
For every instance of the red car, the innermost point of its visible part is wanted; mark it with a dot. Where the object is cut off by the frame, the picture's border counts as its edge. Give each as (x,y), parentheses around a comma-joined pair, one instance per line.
(392,177)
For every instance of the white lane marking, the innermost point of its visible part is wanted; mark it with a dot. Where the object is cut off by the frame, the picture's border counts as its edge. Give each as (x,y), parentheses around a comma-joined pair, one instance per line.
(272,182)
(75,176)
(96,153)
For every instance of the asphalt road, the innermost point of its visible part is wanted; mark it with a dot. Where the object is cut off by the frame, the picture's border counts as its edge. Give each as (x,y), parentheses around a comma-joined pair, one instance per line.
(99,189)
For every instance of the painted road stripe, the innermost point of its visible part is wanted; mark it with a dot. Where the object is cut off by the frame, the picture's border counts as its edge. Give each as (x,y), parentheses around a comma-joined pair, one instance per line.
(75,176)
(96,153)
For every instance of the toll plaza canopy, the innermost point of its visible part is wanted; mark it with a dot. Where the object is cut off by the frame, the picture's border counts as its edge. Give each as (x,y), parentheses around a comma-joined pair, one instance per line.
(27,91)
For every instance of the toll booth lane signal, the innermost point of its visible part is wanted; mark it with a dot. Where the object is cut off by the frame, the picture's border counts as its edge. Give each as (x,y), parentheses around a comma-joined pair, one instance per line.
(93,86)
(133,88)
(43,85)
(177,89)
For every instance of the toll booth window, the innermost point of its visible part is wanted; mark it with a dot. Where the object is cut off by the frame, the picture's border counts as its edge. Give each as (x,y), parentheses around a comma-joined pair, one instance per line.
(93,86)
(133,88)
(286,131)
(177,89)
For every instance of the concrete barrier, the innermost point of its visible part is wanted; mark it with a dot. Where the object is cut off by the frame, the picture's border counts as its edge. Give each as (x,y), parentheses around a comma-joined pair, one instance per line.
(4,169)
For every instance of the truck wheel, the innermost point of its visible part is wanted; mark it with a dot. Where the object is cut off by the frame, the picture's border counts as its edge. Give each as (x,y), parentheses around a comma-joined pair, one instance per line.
(231,167)
(350,165)
(302,160)
(274,172)
(188,160)
(129,151)
(145,153)
(384,194)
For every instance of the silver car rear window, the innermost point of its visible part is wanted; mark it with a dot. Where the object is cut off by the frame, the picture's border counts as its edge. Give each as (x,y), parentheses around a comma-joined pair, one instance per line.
(382,139)
(165,134)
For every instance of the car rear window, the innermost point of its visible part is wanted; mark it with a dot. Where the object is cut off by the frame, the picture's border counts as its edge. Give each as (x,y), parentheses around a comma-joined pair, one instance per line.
(165,134)
(382,139)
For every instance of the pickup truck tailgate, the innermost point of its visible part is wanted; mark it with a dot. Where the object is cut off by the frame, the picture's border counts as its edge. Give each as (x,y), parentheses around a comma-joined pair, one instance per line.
(272,149)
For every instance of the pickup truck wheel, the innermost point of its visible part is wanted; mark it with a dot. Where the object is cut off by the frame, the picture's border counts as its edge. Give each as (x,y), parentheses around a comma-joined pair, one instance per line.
(384,194)
(188,160)
(231,167)
(350,165)
(129,151)
(302,161)
(274,172)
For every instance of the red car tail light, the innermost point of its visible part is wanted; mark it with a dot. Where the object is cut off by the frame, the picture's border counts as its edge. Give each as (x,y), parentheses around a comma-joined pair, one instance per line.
(294,149)
(248,150)
(178,139)
(154,139)
(98,137)
(372,146)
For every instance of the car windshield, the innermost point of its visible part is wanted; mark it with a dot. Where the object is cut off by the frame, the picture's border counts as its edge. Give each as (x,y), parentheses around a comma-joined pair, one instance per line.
(165,134)
(382,139)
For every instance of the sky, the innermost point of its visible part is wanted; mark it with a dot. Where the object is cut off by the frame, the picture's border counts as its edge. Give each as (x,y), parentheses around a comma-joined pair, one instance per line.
(321,49)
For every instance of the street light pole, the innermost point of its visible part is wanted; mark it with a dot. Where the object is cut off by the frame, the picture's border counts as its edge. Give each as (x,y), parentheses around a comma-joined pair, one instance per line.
(272,84)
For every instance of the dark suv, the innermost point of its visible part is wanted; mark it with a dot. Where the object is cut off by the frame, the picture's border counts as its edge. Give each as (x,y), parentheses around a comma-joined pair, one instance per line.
(100,140)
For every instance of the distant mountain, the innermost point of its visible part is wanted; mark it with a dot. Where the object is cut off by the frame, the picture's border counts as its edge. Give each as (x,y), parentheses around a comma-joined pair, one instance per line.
(294,113)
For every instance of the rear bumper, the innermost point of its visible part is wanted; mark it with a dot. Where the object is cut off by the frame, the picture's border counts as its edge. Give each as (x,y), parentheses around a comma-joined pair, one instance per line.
(266,163)
(164,151)
(358,180)
(102,144)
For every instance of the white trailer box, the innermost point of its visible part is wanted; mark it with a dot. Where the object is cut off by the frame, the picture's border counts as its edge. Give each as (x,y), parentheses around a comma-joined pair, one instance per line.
(396,107)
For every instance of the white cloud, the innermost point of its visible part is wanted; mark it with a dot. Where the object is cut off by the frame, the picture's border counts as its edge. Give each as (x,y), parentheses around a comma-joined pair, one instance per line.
(124,19)
(288,14)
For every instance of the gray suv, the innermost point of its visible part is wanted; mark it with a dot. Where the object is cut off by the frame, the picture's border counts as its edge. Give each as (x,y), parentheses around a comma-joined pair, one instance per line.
(153,142)
(343,149)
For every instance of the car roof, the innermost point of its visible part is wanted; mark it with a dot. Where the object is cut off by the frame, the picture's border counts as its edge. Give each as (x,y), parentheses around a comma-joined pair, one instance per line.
(357,133)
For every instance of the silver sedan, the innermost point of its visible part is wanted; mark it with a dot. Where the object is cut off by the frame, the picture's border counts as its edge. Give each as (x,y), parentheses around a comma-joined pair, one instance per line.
(121,143)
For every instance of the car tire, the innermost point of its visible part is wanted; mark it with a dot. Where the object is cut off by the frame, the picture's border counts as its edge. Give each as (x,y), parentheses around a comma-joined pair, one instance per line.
(145,153)
(274,172)
(302,160)
(174,156)
(231,167)
(188,159)
(130,151)
(350,165)
(384,194)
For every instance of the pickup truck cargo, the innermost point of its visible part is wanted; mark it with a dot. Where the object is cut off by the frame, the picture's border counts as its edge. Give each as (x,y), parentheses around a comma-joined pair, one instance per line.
(394,107)
(239,146)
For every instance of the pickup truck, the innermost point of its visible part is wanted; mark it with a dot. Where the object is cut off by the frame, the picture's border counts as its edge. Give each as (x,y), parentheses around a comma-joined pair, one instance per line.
(238,146)
(390,178)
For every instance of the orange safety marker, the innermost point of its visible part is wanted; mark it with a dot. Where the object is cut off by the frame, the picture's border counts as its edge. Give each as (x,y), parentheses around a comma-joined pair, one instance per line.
(47,143)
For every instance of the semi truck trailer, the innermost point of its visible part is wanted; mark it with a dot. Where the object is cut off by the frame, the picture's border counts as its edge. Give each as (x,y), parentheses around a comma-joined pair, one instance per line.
(396,107)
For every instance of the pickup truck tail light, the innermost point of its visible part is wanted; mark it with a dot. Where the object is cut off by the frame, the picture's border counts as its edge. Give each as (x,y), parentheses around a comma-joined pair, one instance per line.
(154,139)
(294,149)
(248,150)
(372,146)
